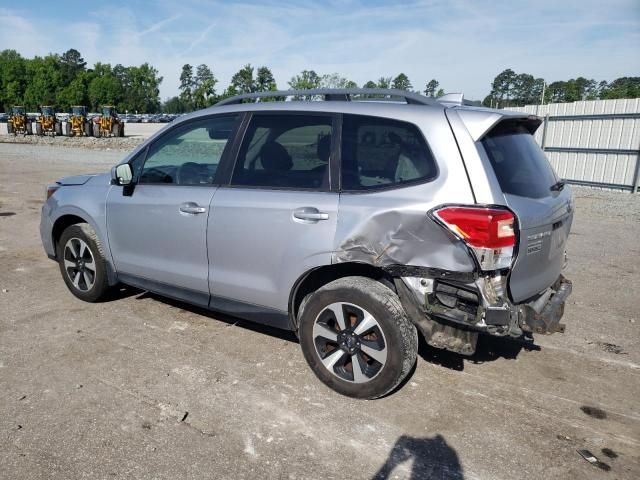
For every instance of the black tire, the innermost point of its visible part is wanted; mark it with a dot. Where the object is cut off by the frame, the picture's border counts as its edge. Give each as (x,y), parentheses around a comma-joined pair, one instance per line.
(29,129)
(82,232)
(67,129)
(9,128)
(57,129)
(39,131)
(121,130)
(87,129)
(398,335)
(96,130)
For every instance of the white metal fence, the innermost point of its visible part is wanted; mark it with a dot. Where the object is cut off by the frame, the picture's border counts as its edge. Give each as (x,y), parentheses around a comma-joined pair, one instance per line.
(594,143)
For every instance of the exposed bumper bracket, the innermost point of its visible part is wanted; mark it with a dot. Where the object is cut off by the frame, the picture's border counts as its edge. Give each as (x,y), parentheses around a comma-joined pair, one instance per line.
(547,319)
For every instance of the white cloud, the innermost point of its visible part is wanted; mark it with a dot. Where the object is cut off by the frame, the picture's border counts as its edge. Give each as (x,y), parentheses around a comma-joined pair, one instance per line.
(462,43)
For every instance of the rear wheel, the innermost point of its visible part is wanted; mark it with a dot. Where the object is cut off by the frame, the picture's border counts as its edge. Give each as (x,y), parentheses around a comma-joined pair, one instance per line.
(121,130)
(82,262)
(29,129)
(96,130)
(67,129)
(356,337)
(87,129)
(38,129)
(58,129)
(10,128)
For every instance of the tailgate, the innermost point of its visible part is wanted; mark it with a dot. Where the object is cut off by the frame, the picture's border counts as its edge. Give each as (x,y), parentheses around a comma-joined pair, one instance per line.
(543,206)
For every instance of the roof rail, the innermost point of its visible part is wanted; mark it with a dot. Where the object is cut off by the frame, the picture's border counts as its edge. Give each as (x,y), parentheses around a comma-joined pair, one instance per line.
(334,94)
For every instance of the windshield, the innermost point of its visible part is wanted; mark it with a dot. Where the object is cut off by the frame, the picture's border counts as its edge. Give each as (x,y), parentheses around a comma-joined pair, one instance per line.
(78,111)
(519,164)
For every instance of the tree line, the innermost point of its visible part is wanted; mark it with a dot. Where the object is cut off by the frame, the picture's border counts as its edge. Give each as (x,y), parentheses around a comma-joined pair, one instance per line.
(64,80)
(511,89)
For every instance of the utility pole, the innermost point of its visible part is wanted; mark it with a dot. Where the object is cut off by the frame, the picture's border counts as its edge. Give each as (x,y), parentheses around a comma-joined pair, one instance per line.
(544,85)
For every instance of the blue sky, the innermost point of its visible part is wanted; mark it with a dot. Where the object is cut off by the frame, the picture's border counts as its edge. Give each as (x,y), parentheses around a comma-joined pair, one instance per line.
(461,43)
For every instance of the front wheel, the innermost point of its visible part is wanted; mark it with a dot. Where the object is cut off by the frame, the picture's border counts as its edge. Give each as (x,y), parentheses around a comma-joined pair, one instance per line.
(82,263)
(356,337)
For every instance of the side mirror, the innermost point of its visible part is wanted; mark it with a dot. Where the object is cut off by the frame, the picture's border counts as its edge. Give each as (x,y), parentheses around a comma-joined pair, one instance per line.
(121,175)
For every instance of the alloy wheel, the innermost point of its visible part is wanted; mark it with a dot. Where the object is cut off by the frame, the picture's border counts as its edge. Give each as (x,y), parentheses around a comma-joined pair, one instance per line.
(350,342)
(79,264)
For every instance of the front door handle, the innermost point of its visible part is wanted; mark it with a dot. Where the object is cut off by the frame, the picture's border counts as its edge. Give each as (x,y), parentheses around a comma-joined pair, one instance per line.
(192,208)
(309,214)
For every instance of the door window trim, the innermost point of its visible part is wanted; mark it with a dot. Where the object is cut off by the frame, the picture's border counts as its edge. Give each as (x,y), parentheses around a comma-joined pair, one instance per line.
(241,134)
(223,159)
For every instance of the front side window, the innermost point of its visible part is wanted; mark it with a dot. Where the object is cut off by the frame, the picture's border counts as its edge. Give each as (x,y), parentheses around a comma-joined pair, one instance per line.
(285,151)
(379,152)
(189,154)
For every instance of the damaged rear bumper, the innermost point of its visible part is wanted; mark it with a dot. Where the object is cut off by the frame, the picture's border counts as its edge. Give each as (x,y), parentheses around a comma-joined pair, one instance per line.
(451,314)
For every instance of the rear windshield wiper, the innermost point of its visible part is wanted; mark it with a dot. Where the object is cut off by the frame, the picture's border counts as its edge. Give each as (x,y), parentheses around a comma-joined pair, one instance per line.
(558,186)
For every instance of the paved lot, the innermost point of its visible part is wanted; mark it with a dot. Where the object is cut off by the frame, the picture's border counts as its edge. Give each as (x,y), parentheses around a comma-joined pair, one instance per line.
(142,387)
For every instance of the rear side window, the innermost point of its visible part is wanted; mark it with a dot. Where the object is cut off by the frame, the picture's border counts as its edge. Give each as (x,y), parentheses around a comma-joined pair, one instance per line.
(518,162)
(378,153)
(285,151)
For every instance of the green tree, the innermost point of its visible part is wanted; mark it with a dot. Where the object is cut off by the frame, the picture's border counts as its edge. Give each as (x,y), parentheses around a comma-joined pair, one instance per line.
(71,65)
(265,82)
(174,105)
(384,82)
(204,93)
(13,79)
(335,80)
(502,87)
(401,82)
(308,79)
(43,81)
(186,86)
(243,81)
(624,87)
(370,84)
(431,87)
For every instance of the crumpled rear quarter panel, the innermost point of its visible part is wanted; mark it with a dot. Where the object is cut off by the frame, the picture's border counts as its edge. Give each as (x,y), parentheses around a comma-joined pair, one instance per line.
(391,227)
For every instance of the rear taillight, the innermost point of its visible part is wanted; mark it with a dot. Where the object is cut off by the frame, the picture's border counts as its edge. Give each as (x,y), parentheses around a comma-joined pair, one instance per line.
(489,233)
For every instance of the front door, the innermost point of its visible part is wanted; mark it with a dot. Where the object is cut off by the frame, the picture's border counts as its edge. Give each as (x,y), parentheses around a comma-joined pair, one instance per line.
(158,234)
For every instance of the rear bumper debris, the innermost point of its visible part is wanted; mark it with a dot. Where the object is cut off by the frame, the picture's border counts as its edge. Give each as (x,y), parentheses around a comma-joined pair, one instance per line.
(451,314)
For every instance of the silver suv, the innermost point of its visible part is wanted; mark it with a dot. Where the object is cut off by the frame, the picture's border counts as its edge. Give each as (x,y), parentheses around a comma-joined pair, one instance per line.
(356,218)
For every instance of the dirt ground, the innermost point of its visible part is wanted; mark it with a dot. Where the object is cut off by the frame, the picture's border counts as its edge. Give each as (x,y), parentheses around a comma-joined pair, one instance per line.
(142,387)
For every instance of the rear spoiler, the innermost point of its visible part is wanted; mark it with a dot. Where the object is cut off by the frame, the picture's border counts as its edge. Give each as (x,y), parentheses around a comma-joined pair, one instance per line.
(480,121)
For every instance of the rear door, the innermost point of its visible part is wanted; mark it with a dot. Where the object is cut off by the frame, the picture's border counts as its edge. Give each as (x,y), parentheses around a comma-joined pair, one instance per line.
(277,217)
(544,208)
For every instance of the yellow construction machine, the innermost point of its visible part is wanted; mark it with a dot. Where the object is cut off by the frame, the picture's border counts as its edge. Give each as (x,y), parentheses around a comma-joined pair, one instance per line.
(109,124)
(18,122)
(47,123)
(78,124)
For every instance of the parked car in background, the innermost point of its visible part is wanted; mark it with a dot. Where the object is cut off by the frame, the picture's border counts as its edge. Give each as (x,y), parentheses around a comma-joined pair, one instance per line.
(356,224)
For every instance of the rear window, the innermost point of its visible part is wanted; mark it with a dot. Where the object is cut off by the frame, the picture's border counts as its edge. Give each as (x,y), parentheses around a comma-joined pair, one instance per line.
(518,162)
(379,153)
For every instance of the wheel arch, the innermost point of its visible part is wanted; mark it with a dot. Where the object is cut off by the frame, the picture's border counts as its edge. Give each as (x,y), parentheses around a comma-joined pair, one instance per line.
(65,220)
(315,278)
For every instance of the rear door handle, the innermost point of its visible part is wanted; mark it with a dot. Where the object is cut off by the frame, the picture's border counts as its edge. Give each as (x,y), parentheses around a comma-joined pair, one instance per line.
(192,208)
(310,214)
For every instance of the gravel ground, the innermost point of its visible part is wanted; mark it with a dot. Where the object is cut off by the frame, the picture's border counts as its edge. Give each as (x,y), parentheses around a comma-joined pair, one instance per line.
(143,387)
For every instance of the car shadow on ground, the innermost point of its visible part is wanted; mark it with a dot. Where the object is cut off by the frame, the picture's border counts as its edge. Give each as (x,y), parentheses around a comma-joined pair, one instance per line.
(222,317)
(488,349)
(430,457)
